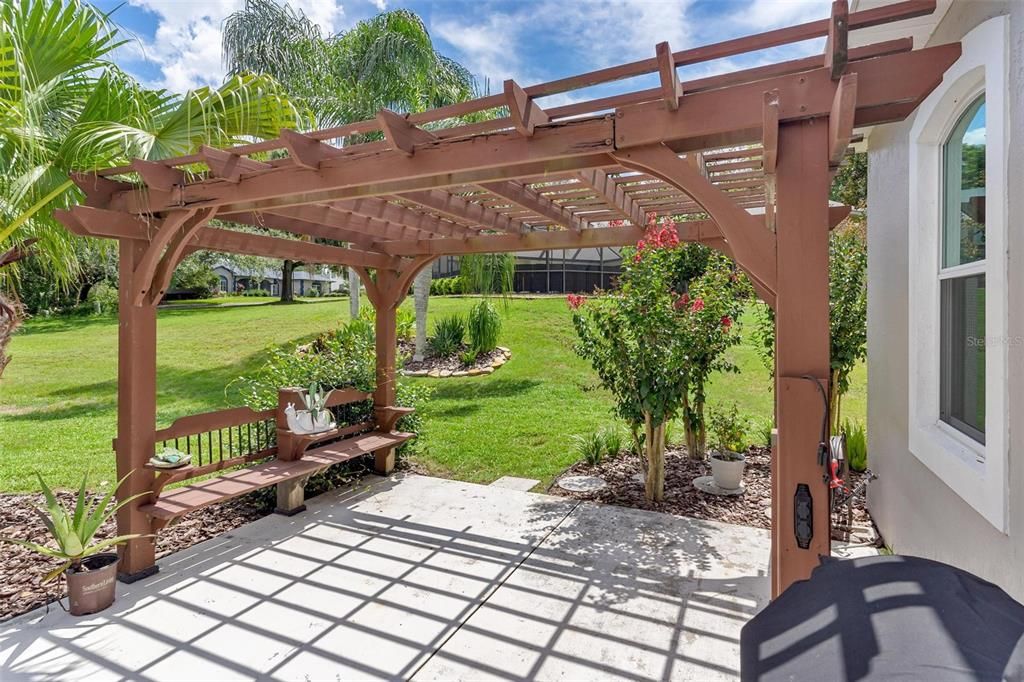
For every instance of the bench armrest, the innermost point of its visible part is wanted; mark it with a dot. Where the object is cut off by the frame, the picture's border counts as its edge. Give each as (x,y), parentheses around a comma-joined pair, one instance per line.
(387,417)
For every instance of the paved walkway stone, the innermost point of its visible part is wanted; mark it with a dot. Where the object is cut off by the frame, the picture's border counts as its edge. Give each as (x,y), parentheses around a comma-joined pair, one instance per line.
(515,483)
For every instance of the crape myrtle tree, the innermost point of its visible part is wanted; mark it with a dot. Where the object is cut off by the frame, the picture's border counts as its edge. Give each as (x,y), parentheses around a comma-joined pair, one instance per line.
(655,340)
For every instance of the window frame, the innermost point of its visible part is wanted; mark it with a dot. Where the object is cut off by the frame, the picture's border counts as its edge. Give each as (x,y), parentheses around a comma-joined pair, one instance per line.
(949,273)
(976,471)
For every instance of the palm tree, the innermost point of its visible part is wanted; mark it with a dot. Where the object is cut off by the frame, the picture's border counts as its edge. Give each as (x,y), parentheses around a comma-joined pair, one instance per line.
(65,106)
(387,61)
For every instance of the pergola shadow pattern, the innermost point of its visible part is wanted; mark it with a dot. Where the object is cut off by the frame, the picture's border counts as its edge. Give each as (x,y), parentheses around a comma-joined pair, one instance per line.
(426,579)
(743,161)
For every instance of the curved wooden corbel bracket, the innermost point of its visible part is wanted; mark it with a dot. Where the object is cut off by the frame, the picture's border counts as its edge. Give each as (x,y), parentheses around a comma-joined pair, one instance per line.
(751,242)
(176,247)
(147,265)
(372,291)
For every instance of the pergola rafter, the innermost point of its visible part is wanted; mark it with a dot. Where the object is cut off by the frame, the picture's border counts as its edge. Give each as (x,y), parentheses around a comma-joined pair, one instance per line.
(742,160)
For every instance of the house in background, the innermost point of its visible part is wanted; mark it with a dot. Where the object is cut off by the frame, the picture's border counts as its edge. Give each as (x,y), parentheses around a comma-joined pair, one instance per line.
(321,280)
(945,307)
(554,271)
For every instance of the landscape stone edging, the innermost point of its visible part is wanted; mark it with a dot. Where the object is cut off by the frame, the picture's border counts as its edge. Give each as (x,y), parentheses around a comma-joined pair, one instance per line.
(474,372)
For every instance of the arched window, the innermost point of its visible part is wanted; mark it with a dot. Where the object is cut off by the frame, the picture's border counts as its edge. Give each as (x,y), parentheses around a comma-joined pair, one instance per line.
(958,326)
(962,275)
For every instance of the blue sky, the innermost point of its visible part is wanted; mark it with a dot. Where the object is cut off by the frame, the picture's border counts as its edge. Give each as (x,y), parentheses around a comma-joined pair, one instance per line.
(177,42)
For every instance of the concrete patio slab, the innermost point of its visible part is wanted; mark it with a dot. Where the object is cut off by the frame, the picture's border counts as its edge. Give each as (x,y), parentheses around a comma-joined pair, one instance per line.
(515,483)
(416,577)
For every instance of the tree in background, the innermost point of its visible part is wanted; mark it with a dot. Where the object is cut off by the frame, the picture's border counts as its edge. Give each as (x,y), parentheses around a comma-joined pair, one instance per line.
(388,61)
(64,106)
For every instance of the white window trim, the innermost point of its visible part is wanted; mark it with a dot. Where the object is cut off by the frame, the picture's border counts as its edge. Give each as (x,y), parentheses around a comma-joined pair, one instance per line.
(976,472)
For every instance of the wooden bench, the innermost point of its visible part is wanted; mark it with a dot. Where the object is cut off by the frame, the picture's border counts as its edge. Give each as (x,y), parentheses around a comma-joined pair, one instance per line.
(293,458)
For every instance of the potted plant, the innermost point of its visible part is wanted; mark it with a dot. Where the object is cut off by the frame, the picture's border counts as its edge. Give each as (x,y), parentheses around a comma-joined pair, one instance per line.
(727,432)
(90,568)
(315,418)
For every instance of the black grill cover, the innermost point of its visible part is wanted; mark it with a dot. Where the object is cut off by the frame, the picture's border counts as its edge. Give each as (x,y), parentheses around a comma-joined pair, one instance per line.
(885,618)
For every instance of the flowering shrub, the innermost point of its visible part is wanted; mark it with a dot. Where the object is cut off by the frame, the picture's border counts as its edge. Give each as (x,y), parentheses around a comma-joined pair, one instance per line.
(656,339)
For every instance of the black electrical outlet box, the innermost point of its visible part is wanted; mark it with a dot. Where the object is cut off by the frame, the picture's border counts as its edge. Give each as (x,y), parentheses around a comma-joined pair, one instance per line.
(803,516)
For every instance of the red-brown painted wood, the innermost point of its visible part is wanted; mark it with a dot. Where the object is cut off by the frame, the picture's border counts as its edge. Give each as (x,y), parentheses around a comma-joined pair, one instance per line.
(136,410)
(801,344)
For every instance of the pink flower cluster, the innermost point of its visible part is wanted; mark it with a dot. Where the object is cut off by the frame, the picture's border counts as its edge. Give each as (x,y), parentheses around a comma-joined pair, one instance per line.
(665,237)
(575,301)
(683,301)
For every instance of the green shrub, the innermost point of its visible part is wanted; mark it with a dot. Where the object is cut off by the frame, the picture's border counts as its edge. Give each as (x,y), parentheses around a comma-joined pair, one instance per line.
(256,292)
(856,445)
(449,333)
(406,324)
(484,327)
(335,360)
(727,428)
(102,299)
(195,274)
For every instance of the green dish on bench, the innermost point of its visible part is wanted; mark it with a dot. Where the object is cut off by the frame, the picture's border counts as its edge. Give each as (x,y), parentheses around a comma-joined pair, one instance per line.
(170,458)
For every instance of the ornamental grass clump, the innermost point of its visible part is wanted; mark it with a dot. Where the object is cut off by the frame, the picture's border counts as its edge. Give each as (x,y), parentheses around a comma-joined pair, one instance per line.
(484,327)
(655,340)
(856,444)
(449,334)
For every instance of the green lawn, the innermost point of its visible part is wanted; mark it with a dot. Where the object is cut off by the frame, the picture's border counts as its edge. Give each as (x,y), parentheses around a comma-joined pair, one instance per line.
(58,396)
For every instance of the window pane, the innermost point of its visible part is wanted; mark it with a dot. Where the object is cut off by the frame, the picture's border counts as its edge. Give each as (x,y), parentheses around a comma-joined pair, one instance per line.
(963,239)
(963,354)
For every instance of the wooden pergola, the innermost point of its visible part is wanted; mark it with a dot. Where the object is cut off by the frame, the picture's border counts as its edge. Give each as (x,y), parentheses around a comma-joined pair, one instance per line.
(745,158)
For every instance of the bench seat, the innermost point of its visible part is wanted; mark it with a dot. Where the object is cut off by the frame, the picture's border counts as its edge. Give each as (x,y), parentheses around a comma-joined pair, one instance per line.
(179,501)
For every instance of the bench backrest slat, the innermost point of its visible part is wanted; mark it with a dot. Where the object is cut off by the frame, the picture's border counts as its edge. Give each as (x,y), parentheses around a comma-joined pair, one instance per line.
(212,421)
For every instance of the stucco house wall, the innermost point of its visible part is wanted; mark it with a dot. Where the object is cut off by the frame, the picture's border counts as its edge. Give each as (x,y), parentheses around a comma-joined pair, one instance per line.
(916,510)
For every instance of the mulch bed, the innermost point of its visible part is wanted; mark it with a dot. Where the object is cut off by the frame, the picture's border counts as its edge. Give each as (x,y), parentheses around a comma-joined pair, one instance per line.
(22,571)
(752,508)
(450,363)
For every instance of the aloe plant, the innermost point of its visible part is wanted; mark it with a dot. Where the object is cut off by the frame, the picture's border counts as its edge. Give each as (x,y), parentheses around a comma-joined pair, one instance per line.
(75,532)
(316,400)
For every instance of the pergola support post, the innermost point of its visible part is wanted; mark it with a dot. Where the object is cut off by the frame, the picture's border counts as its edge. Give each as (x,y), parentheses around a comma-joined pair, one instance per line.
(387,343)
(136,414)
(800,497)
(386,294)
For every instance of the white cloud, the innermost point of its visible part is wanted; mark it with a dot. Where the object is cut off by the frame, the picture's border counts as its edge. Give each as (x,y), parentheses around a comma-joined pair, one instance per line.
(767,14)
(187,41)
(604,31)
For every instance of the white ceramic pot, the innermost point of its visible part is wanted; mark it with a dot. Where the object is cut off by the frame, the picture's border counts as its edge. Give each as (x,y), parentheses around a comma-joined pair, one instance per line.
(728,474)
(302,422)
